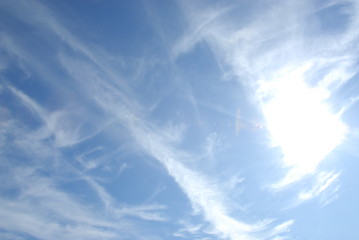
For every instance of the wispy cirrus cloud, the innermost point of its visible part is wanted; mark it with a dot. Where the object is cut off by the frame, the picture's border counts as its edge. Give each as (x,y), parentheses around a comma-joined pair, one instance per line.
(31,187)
(31,199)
(262,53)
(61,123)
(291,71)
(204,198)
(203,195)
(150,212)
(40,203)
(323,182)
(42,191)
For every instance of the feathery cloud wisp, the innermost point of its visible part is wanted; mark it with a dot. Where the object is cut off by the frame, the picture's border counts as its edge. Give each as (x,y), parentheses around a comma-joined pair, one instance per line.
(278,61)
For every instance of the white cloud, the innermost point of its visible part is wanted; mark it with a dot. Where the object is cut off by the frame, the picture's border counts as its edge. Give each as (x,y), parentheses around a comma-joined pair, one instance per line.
(205,197)
(65,125)
(21,217)
(300,123)
(192,230)
(282,228)
(41,204)
(198,28)
(323,182)
(291,73)
(151,212)
(105,87)
(38,200)
(147,212)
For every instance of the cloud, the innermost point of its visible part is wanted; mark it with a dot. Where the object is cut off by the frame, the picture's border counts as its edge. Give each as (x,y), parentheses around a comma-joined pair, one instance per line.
(192,230)
(303,127)
(41,204)
(38,200)
(205,197)
(292,65)
(150,212)
(21,218)
(146,212)
(324,180)
(199,26)
(282,228)
(66,125)
(105,88)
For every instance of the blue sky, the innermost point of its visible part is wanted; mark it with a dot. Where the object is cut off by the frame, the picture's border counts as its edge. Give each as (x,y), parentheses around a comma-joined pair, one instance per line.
(181,119)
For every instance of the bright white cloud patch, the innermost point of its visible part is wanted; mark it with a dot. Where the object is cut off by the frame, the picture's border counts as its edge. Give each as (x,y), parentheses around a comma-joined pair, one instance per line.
(295,63)
(300,122)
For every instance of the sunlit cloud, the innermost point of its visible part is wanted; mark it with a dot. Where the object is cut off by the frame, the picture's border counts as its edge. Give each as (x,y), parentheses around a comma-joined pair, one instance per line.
(300,123)
(280,62)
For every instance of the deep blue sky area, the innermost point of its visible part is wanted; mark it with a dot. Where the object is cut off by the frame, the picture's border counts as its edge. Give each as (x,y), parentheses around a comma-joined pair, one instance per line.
(154,120)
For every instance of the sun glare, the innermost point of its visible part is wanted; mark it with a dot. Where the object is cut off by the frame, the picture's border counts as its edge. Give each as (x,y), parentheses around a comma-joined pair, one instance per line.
(301,123)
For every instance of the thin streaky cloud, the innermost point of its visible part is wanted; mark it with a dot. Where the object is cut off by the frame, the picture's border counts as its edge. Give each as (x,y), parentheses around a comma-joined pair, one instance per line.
(282,228)
(41,192)
(127,157)
(21,216)
(40,198)
(196,187)
(289,117)
(67,132)
(324,181)
(193,184)
(151,212)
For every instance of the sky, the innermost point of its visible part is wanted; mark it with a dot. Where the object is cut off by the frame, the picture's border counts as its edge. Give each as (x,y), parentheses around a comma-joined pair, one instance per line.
(201,120)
